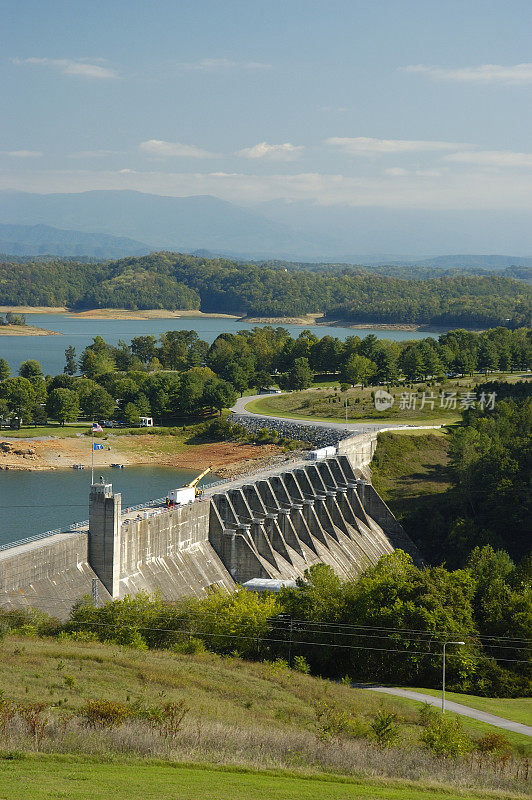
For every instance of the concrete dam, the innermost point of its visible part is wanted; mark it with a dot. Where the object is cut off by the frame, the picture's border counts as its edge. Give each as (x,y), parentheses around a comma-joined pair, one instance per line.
(274,525)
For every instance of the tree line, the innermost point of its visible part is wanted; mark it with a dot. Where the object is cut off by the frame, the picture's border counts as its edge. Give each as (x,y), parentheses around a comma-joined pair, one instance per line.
(489,500)
(386,625)
(179,375)
(177,281)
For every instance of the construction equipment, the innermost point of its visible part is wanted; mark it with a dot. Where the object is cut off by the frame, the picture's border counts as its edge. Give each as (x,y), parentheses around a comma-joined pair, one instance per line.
(194,484)
(187,493)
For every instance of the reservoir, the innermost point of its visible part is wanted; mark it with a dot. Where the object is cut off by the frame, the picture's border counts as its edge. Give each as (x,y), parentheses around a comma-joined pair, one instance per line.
(34,502)
(79,332)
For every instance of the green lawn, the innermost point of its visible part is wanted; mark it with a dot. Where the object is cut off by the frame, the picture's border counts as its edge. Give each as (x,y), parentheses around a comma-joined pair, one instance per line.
(269,407)
(518,709)
(301,406)
(52,429)
(423,404)
(52,777)
(474,728)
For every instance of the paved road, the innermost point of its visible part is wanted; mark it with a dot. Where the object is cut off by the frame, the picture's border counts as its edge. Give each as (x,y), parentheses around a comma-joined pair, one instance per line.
(458,708)
(350,427)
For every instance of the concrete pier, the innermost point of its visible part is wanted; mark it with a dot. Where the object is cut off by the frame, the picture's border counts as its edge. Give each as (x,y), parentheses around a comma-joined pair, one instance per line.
(319,513)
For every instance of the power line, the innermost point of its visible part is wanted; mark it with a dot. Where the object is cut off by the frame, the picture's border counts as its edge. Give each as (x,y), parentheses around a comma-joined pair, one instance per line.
(300,642)
(356,630)
(283,641)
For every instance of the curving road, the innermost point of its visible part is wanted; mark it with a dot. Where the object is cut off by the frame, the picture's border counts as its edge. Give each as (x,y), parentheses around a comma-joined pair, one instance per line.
(457,708)
(349,427)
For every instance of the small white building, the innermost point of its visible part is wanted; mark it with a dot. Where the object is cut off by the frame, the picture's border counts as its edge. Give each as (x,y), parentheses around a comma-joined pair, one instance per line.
(146,422)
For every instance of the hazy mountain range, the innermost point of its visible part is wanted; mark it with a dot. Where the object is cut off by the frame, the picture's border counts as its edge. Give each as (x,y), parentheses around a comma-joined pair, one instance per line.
(31,240)
(112,224)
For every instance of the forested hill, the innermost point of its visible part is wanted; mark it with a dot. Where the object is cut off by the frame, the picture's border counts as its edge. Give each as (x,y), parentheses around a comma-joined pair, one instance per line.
(173,281)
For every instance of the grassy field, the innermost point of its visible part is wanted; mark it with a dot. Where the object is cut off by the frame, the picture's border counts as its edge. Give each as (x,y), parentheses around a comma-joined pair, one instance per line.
(77,779)
(244,714)
(328,404)
(52,429)
(325,401)
(518,709)
(521,743)
(407,468)
(411,473)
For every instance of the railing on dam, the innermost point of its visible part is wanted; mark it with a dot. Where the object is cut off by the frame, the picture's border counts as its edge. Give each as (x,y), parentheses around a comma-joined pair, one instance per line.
(74,526)
(160,501)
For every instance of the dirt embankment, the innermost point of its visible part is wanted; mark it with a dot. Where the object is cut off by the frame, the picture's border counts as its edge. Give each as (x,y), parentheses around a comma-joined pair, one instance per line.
(226,458)
(307,319)
(150,313)
(26,330)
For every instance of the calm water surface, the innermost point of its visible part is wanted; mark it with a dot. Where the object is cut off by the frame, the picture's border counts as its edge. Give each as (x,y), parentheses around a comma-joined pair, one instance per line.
(50,350)
(33,502)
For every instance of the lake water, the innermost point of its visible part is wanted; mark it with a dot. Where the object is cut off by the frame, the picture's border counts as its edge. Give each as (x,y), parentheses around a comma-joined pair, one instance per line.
(34,502)
(50,350)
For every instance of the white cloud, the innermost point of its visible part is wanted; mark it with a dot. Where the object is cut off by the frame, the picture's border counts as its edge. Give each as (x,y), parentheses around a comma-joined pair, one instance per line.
(73,67)
(397,172)
(329,109)
(272,152)
(93,153)
(492,158)
(482,74)
(222,64)
(366,146)
(162,149)
(453,190)
(22,153)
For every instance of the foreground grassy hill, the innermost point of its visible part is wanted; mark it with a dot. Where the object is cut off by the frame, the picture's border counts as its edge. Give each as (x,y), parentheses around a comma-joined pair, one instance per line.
(316,735)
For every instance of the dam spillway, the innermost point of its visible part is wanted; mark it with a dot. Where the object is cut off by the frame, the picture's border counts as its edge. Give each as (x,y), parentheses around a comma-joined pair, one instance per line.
(273,525)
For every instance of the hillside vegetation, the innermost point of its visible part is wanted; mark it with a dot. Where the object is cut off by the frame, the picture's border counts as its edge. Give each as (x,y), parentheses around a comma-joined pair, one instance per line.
(113,703)
(174,280)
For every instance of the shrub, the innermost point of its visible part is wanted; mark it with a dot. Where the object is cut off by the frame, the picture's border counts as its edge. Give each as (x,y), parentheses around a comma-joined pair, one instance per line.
(385,728)
(8,710)
(35,717)
(330,721)
(300,664)
(190,647)
(494,743)
(106,713)
(172,718)
(279,665)
(427,715)
(79,636)
(445,737)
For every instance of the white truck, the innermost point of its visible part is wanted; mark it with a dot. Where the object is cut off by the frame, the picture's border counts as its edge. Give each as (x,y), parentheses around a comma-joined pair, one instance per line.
(179,497)
(322,452)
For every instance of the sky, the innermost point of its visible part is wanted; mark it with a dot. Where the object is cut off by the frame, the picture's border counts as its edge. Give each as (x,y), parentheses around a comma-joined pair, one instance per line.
(381,104)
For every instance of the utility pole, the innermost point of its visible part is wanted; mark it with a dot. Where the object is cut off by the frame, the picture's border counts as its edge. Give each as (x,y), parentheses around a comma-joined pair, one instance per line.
(290,645)
(443,676)
(95,592)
